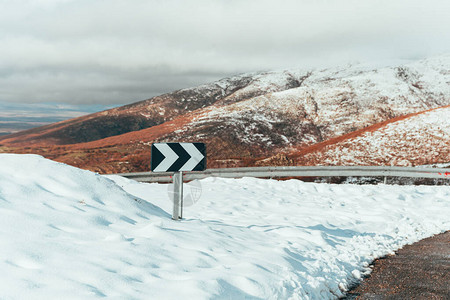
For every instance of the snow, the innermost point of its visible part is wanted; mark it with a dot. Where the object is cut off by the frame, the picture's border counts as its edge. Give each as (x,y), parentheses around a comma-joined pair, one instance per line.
(318,105)
(67,233)
(409,142)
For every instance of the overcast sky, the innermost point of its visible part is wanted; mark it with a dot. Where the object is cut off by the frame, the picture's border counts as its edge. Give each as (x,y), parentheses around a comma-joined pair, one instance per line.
(118,52)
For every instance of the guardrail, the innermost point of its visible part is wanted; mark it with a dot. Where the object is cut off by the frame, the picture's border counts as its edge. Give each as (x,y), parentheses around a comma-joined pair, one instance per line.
(283,172)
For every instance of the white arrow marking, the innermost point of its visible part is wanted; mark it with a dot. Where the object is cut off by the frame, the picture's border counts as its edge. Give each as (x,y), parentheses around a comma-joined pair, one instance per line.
(170,157)
(196,156)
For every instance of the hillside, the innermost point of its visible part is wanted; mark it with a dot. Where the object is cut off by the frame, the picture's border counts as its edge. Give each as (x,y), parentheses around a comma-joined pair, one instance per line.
(246,118)
(410,140)
(419,139)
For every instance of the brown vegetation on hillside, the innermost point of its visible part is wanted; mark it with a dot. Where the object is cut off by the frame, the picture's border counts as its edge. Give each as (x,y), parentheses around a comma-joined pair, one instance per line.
(296,117)
(130,152)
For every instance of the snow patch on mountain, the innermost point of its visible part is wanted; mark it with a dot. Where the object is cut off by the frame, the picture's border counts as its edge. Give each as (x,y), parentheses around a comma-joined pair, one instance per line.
(310,107)
(417,140)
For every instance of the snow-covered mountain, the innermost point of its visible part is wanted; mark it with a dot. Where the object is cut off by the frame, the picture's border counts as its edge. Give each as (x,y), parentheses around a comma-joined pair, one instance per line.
(247,118)
(413,141)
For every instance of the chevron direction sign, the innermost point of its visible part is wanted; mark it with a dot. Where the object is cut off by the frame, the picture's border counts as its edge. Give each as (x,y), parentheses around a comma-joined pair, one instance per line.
(176,157)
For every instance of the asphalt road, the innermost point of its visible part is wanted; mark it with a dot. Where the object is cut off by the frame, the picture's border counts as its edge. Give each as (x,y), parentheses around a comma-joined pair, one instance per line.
(417,271)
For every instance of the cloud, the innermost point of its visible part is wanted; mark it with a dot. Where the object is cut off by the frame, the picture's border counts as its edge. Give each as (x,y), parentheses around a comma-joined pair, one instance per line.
(115,51)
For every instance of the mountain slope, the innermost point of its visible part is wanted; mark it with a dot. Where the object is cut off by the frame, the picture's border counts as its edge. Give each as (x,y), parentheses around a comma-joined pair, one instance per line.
(419,139)
(143,114)
(349,97)
(245,118)
(328,104)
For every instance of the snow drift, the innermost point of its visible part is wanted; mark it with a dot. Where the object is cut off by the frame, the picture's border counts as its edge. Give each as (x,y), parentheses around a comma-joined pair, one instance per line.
(72,234)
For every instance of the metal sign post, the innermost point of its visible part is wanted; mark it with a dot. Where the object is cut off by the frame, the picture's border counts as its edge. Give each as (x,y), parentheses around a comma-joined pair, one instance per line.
(178,157)
(177,196)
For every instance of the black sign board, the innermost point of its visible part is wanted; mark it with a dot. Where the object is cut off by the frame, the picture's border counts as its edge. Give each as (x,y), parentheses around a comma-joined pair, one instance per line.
(175,157)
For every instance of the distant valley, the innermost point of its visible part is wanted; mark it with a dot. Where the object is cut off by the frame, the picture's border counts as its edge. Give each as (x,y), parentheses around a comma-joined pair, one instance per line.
(15,117)
(352,115)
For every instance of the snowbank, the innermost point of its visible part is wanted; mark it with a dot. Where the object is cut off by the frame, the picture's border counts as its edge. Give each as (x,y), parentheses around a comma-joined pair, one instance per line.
(72,234)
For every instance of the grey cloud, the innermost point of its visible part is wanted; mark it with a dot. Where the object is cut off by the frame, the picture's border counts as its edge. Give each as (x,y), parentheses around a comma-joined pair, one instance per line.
(122,51)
